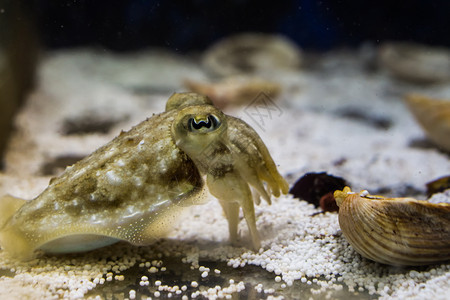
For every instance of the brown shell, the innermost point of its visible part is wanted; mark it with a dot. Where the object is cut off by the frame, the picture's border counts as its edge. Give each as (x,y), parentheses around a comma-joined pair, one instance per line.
(395,231)
(252,53)
(434,117)
(235,90)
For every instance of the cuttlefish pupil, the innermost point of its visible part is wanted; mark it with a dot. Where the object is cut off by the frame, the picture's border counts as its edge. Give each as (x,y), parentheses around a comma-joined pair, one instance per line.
(208,123)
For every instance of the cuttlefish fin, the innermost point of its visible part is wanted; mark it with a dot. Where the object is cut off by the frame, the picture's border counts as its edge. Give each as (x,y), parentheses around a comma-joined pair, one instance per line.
(8,207)
(11,239)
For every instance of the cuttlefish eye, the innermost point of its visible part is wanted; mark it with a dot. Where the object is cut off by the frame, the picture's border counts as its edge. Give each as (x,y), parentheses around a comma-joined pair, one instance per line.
(203,123)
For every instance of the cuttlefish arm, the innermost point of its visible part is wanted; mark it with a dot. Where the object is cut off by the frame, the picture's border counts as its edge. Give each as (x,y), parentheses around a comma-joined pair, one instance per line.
(235,161)
(253,166)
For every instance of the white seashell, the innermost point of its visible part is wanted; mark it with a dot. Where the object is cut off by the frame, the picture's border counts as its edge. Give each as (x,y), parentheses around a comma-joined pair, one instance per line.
(252,53)
(415,62)
(235,89)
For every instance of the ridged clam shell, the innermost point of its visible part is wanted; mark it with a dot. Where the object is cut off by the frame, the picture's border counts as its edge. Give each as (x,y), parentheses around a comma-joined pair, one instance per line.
(395,231)
(434,117)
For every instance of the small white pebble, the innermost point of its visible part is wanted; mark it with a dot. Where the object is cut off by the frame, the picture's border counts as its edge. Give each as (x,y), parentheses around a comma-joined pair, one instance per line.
(157,294)
(194,284)
(204,274)
(277,279)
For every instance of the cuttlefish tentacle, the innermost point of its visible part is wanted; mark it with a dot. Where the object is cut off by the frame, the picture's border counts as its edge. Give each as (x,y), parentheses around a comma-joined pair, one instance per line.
(134,187)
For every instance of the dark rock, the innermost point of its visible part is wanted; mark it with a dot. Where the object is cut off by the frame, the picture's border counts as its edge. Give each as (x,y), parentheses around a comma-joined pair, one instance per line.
(438,185)
(313,186)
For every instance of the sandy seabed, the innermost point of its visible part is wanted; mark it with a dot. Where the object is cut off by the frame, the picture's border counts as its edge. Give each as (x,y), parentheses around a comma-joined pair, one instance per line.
(338,116)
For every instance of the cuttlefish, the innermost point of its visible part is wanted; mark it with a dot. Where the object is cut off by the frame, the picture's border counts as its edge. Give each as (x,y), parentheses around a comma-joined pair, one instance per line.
(134,187)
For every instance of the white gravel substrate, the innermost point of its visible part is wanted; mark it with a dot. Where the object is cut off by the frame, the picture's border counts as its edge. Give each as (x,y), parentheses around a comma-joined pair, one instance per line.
(307,132)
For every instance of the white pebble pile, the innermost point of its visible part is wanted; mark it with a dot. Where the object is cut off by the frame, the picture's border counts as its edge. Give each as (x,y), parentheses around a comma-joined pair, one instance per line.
(306,249)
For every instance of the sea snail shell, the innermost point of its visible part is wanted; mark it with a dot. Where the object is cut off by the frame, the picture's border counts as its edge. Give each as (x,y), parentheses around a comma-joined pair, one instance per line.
(395,231)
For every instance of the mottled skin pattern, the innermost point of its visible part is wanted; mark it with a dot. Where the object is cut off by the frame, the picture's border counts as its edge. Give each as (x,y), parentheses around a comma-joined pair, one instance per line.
(132,188)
